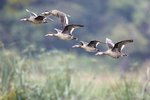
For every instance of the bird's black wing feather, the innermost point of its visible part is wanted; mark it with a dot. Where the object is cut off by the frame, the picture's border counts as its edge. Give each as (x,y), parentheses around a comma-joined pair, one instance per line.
(118,45)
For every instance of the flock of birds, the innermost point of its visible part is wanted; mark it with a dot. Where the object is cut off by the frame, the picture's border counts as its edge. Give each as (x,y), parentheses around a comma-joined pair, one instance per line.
(114,49)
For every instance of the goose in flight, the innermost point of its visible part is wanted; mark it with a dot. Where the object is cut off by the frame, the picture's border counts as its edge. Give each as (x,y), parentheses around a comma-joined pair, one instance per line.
(115,50)
(89,47)
(34,18)
(66,33)
(61,15)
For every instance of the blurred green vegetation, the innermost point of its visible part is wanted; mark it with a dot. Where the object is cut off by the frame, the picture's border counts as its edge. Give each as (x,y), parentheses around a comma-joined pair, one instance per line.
(49,77)
(115,19)
(33,67)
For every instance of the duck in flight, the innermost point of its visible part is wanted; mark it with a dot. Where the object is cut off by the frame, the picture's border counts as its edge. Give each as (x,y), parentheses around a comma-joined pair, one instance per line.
(89,47)
(35,19)
(66,33)
(61,15)
(115,50)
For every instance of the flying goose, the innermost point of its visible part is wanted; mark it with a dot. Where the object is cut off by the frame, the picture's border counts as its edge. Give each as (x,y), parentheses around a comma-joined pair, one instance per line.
(35,19)
(89,47)
(66,33)
(115,50)
(63,17)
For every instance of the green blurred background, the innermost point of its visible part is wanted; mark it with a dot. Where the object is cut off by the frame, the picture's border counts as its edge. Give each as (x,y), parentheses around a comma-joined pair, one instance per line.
(115,19)
(31,62)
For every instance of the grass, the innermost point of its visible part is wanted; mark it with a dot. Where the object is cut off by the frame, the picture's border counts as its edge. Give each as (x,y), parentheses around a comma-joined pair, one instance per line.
(58,76)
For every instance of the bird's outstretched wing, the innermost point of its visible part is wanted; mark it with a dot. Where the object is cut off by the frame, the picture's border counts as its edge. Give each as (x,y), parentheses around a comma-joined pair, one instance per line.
(64,20)
(39,18)
(109,43)
(70,28)
(31,13)
(120,45)
(94,43)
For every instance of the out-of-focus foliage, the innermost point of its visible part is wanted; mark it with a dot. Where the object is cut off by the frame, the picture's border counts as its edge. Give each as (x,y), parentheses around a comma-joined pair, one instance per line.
(34,67)
(56,75)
